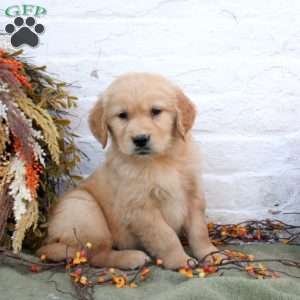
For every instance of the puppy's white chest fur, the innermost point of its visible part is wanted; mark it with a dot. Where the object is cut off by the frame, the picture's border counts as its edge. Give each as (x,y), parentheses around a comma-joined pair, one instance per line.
(153,188)
(170,197)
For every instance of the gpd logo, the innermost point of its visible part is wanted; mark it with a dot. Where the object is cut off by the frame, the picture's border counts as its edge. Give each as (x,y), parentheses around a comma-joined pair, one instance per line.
(25,30)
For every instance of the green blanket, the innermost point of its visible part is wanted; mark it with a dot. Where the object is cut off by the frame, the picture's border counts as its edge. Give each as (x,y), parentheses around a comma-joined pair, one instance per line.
(164,285)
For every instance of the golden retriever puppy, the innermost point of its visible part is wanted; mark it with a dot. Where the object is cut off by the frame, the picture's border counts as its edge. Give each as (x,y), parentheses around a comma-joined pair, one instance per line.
(147,192)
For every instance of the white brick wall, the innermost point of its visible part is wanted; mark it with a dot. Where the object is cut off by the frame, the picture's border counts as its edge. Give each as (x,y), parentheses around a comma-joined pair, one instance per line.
(239,61)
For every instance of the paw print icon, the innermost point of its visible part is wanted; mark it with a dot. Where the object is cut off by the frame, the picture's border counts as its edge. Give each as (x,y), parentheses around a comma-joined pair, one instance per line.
(24,33)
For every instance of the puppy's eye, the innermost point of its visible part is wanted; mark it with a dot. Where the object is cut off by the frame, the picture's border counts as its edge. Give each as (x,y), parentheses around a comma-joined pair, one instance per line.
(155,112)
(123,115)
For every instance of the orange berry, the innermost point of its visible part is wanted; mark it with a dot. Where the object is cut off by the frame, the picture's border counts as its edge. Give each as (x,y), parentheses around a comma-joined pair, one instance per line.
(145,272)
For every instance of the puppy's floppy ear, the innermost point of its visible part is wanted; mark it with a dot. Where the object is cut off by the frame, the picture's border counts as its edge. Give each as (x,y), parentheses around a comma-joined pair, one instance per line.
(186,113)
(97,122)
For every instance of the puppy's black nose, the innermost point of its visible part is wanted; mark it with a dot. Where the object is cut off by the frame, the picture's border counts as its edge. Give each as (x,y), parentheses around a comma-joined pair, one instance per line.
(141,140)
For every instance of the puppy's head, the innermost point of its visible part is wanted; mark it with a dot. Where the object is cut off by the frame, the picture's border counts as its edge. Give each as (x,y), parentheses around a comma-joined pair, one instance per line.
(144,114)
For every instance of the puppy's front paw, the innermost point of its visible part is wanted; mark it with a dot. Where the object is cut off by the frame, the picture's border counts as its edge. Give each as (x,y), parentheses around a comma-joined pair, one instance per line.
(204,252)
(135,259)
(174,262)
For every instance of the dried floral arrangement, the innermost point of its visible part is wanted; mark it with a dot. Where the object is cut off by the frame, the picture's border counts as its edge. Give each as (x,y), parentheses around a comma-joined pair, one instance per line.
(263,231)
(84,278)
(37,148)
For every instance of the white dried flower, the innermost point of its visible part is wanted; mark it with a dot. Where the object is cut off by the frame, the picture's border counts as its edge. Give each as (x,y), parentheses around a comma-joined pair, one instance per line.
(36,135)
(3,111)
(18,188)
(39,153)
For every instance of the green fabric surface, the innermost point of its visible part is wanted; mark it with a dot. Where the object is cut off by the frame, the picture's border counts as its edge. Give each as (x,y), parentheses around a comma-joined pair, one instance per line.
(164,285)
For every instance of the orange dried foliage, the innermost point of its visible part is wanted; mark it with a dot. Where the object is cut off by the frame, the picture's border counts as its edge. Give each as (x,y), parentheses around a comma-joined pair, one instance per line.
(16,68)
(33,169)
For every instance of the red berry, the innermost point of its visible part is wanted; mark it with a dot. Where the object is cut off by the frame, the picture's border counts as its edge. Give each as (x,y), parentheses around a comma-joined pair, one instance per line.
(35,268)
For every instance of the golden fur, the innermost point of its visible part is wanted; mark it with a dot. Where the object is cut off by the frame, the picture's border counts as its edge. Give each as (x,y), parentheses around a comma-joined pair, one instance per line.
(136,203)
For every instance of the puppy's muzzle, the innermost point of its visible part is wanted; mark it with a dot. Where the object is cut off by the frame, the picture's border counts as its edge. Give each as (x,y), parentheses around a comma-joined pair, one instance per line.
(141,143)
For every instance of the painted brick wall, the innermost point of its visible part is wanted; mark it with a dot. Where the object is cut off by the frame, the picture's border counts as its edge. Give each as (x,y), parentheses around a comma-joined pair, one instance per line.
(239,61)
